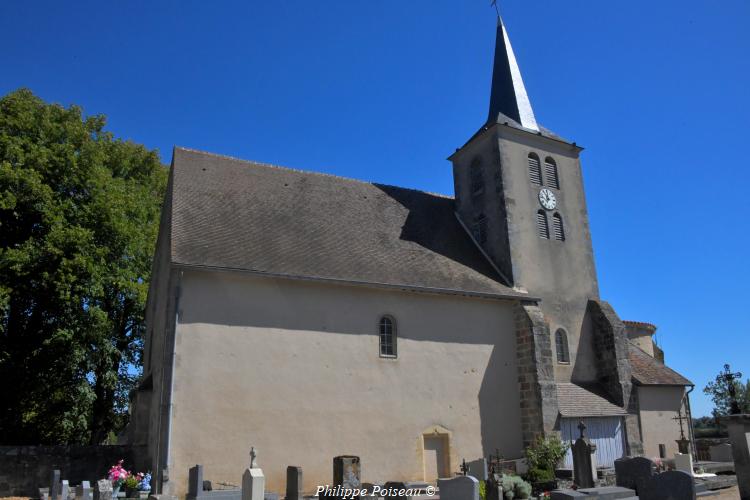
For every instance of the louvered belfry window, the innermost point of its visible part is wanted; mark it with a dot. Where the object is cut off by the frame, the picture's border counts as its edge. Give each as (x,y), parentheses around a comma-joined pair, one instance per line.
(477,181)
(480,229)
(561,343)
(535,170)
(550,172)
(541,224)
(557,227)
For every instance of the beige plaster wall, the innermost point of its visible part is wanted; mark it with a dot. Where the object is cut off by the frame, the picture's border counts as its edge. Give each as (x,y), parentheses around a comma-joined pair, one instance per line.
(292,368)
(644,341)
(658,406)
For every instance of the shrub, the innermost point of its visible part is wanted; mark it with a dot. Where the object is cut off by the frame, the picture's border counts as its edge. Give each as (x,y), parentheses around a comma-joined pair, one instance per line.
(515,487)
(482,490)
(543,456)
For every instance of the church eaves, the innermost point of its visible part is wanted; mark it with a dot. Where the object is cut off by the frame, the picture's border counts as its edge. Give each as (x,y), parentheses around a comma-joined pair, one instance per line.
(509,97)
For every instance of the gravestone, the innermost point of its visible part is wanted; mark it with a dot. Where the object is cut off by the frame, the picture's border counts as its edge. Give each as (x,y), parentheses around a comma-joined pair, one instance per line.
(195,481)
(459,488)
(583,464)
(293,483)
(347,472)
(83,491)
(253,480)
(54,485)
(478,469)
(739,436)
(103,490)
(673,484)
(684,462)
(494,490)
(64,490)
(721,453)
(633,472)
(395,487)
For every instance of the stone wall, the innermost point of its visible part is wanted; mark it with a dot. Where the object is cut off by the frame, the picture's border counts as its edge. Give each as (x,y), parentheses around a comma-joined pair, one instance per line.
(24,469)
(613,367)
(536,375)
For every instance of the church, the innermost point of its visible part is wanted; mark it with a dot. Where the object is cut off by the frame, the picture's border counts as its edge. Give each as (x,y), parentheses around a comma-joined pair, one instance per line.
(312,316)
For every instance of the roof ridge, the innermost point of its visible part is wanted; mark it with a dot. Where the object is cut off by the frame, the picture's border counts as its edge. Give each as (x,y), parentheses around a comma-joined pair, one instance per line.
(311,172)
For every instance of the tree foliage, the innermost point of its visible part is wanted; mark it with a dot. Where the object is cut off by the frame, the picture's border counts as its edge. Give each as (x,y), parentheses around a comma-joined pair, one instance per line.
(719,391)
(79,214)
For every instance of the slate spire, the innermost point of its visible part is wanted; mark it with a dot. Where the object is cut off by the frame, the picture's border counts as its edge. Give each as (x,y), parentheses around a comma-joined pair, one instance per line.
(508,92)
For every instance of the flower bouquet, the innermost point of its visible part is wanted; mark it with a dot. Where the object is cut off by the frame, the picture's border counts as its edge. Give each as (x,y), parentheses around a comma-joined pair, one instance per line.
(118,475)
(138,485)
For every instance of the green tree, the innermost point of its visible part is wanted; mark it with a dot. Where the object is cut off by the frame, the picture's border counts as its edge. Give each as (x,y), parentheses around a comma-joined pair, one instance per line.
(79,213)
(720,393)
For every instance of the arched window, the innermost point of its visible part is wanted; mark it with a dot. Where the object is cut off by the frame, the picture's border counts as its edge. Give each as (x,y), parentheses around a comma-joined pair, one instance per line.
(541,224)
(535,169)
(387,337)
(477,182)
(480,229)
(550,172)
(557,227)
(561,343)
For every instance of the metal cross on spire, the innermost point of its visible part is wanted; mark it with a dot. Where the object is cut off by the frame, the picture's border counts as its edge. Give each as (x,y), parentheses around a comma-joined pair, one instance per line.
(493,3)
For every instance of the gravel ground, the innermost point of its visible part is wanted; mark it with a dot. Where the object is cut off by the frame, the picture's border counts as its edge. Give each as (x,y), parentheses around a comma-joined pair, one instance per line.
(728,494)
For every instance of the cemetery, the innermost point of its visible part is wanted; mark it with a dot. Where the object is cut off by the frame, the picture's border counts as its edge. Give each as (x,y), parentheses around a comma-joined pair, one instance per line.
(491,478)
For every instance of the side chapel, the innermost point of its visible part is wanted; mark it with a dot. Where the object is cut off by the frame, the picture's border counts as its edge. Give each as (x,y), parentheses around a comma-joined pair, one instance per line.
(310,316)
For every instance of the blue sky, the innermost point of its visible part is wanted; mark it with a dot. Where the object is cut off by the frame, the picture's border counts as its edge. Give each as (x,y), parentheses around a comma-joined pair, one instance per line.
(385,90)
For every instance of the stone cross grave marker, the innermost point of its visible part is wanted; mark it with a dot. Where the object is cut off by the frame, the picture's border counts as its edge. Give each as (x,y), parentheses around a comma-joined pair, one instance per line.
(583,464)
(459,488)
(253,480)
(293,483)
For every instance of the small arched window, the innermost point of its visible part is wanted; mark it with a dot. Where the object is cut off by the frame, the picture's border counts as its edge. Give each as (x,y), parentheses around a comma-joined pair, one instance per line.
(557,227)
(387,329)
(550,172)
(535,169)
(561,343)
(475,173)
(541,224)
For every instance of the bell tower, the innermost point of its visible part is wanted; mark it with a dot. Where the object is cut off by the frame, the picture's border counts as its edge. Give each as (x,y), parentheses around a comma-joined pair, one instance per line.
(519,192)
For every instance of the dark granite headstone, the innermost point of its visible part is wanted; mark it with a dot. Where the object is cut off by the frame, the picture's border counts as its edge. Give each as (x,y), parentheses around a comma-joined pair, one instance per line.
(293,483)
(459,488)
(633,472)
(54,485)
(195,481)
(670,485)
(395,487)
(478,469)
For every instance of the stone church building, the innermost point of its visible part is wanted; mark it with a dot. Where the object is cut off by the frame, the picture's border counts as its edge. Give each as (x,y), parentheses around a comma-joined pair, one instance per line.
(311,316)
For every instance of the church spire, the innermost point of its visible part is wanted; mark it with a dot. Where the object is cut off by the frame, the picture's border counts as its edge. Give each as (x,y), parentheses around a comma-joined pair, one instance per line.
(508,92)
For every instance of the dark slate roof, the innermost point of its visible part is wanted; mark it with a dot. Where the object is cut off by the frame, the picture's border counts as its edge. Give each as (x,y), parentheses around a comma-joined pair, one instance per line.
(577,401)
(650,371)
(235,214)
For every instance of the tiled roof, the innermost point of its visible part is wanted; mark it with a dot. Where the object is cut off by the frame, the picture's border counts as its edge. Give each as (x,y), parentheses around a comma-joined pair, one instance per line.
(650,371)
(577,401)
(234,214)
(640,324)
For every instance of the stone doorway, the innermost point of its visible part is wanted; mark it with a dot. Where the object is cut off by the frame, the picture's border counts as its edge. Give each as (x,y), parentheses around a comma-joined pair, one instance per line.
(436,448)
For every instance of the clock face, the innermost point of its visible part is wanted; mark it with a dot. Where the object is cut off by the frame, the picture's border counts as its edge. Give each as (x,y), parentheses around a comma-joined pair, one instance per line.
(547,199)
